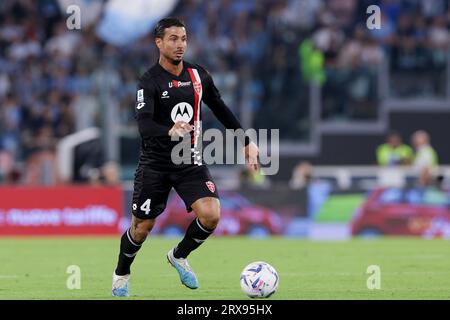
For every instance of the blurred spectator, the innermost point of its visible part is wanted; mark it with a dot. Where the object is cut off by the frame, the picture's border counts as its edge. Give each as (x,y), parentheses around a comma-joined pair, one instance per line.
(426,159)
(13,177)
(311,61)
(329,38)
(6,163)
(5,84)
(313,192)
(88,160)
(302,13)
(439,40)
(107,174)
(41,165)
(301,176)
(253,179)
(11,117)
(110,173)
(406,50)
(360,51)
(63,43)
(394,151)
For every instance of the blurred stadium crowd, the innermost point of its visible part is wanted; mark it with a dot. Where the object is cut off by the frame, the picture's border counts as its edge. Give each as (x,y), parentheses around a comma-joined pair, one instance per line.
(262,54)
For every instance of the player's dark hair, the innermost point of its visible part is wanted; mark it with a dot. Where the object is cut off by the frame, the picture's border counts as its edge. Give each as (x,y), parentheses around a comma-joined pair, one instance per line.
(165,23)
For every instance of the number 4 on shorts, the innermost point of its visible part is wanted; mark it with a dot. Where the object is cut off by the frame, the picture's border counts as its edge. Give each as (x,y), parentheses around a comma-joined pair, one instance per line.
(146,206)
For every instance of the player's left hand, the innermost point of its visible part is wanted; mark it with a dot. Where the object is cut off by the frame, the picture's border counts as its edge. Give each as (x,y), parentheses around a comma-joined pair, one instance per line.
(251,153)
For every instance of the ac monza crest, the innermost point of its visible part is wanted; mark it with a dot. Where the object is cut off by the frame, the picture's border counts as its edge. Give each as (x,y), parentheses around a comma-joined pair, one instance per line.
(197,87)
(210,186)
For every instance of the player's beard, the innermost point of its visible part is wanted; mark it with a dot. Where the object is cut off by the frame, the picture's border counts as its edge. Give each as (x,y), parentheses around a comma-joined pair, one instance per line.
(175,61)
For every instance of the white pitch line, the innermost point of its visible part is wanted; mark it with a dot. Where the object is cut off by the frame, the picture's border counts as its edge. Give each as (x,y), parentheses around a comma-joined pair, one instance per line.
(8,276)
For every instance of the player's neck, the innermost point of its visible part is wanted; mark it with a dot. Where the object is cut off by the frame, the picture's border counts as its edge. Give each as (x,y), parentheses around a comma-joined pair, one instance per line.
(174,69)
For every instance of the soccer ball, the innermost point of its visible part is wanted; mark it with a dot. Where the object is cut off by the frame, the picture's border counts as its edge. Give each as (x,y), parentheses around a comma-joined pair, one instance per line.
(259,280)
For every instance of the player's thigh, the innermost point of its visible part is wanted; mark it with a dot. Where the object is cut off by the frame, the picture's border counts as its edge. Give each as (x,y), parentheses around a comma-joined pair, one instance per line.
(194,183)
(151,190)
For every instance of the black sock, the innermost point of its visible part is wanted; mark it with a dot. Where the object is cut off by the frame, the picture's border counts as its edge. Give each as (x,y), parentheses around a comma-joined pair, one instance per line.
(196,234)
(128,251)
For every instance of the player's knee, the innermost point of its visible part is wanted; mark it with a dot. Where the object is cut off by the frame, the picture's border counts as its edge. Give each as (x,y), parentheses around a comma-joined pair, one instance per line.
(141,228)
(213,221)
(210,217)
(208,212)
(140,235)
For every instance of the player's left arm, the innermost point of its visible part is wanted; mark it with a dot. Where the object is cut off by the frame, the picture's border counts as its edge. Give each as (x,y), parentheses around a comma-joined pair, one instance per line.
(212,97)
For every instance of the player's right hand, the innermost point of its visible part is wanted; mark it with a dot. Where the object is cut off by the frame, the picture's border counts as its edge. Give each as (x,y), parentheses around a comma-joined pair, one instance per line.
(180,129)
(251,154)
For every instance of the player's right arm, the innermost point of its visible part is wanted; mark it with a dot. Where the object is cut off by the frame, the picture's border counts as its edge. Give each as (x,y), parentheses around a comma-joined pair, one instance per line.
(214,101)
(144,114)
(180,128)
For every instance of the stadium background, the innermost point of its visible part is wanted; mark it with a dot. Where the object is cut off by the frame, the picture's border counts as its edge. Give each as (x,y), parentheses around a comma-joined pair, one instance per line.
(312,69)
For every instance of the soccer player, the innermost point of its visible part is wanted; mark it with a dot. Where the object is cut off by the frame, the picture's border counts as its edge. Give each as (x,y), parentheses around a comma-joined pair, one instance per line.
(168,104)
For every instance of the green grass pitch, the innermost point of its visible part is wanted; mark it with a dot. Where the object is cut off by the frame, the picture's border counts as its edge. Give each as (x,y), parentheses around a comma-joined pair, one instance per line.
(35,268)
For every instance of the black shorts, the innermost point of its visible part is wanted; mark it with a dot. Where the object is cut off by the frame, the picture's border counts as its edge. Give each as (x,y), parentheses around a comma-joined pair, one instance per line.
(152,188)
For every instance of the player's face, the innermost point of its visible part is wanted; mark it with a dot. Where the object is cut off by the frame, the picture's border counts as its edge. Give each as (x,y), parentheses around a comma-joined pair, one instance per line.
(173,45)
